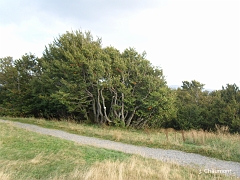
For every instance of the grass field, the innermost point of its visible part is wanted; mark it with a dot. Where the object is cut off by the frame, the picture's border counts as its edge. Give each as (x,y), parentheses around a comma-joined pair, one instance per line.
(221,145)
(27,155)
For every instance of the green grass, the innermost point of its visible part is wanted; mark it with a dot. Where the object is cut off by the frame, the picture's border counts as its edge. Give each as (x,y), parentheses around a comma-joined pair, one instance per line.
(26,155)
(44,156)
(219,145)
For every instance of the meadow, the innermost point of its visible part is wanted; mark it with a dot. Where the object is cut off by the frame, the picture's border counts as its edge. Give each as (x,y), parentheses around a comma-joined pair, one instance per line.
(27,155)
(220,144)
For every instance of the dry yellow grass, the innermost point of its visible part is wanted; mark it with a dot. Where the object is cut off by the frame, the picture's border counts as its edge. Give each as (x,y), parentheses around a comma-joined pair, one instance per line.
(4,176)
(131,169)
(140,169)
(37,159)
(117,135)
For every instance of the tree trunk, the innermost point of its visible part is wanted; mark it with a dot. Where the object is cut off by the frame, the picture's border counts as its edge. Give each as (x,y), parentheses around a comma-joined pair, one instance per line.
(122,109)
(114,102)
(129,120)
(104,107)
(99,108)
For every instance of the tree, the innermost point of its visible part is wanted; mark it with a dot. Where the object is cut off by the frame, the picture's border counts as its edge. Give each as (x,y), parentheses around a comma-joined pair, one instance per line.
(139,93)
(28,69)
(191,109)
(103,84)
(17,96)
(8,85)
(227,107)
(203,109)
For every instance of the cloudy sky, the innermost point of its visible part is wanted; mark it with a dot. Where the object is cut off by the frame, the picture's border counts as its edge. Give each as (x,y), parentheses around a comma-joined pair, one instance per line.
(188,39)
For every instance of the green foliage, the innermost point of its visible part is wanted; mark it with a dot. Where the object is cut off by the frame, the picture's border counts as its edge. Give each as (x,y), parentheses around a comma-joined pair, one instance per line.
(76,78)
(198,109)
(104,85)
(228,107)
(8,81)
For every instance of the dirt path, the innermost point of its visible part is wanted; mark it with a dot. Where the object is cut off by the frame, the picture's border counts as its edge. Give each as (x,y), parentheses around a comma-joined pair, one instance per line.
(204,164)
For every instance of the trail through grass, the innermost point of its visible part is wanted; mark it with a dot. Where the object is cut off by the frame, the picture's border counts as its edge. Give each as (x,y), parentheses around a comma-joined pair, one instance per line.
(221,145)
(27,155)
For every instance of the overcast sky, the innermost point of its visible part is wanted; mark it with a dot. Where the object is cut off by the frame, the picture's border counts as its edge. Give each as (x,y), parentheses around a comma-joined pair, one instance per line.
(191,39)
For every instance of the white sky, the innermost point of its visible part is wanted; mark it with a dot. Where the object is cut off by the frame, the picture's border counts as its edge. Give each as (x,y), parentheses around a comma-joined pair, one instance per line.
(188,39)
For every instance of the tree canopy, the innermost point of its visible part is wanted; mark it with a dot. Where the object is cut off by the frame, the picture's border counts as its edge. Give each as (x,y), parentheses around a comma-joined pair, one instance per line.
(77,78)
(104,85)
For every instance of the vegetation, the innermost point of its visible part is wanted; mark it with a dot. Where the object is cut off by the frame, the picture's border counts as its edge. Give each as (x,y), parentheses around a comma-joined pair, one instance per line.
(76,78)
(26,155)
(220,144)
(198,109)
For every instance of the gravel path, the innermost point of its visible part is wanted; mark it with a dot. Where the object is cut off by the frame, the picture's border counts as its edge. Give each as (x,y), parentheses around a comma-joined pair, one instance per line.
(205,164)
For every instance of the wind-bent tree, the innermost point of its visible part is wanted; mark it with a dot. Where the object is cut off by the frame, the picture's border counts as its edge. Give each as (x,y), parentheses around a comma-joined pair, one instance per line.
(104,85)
